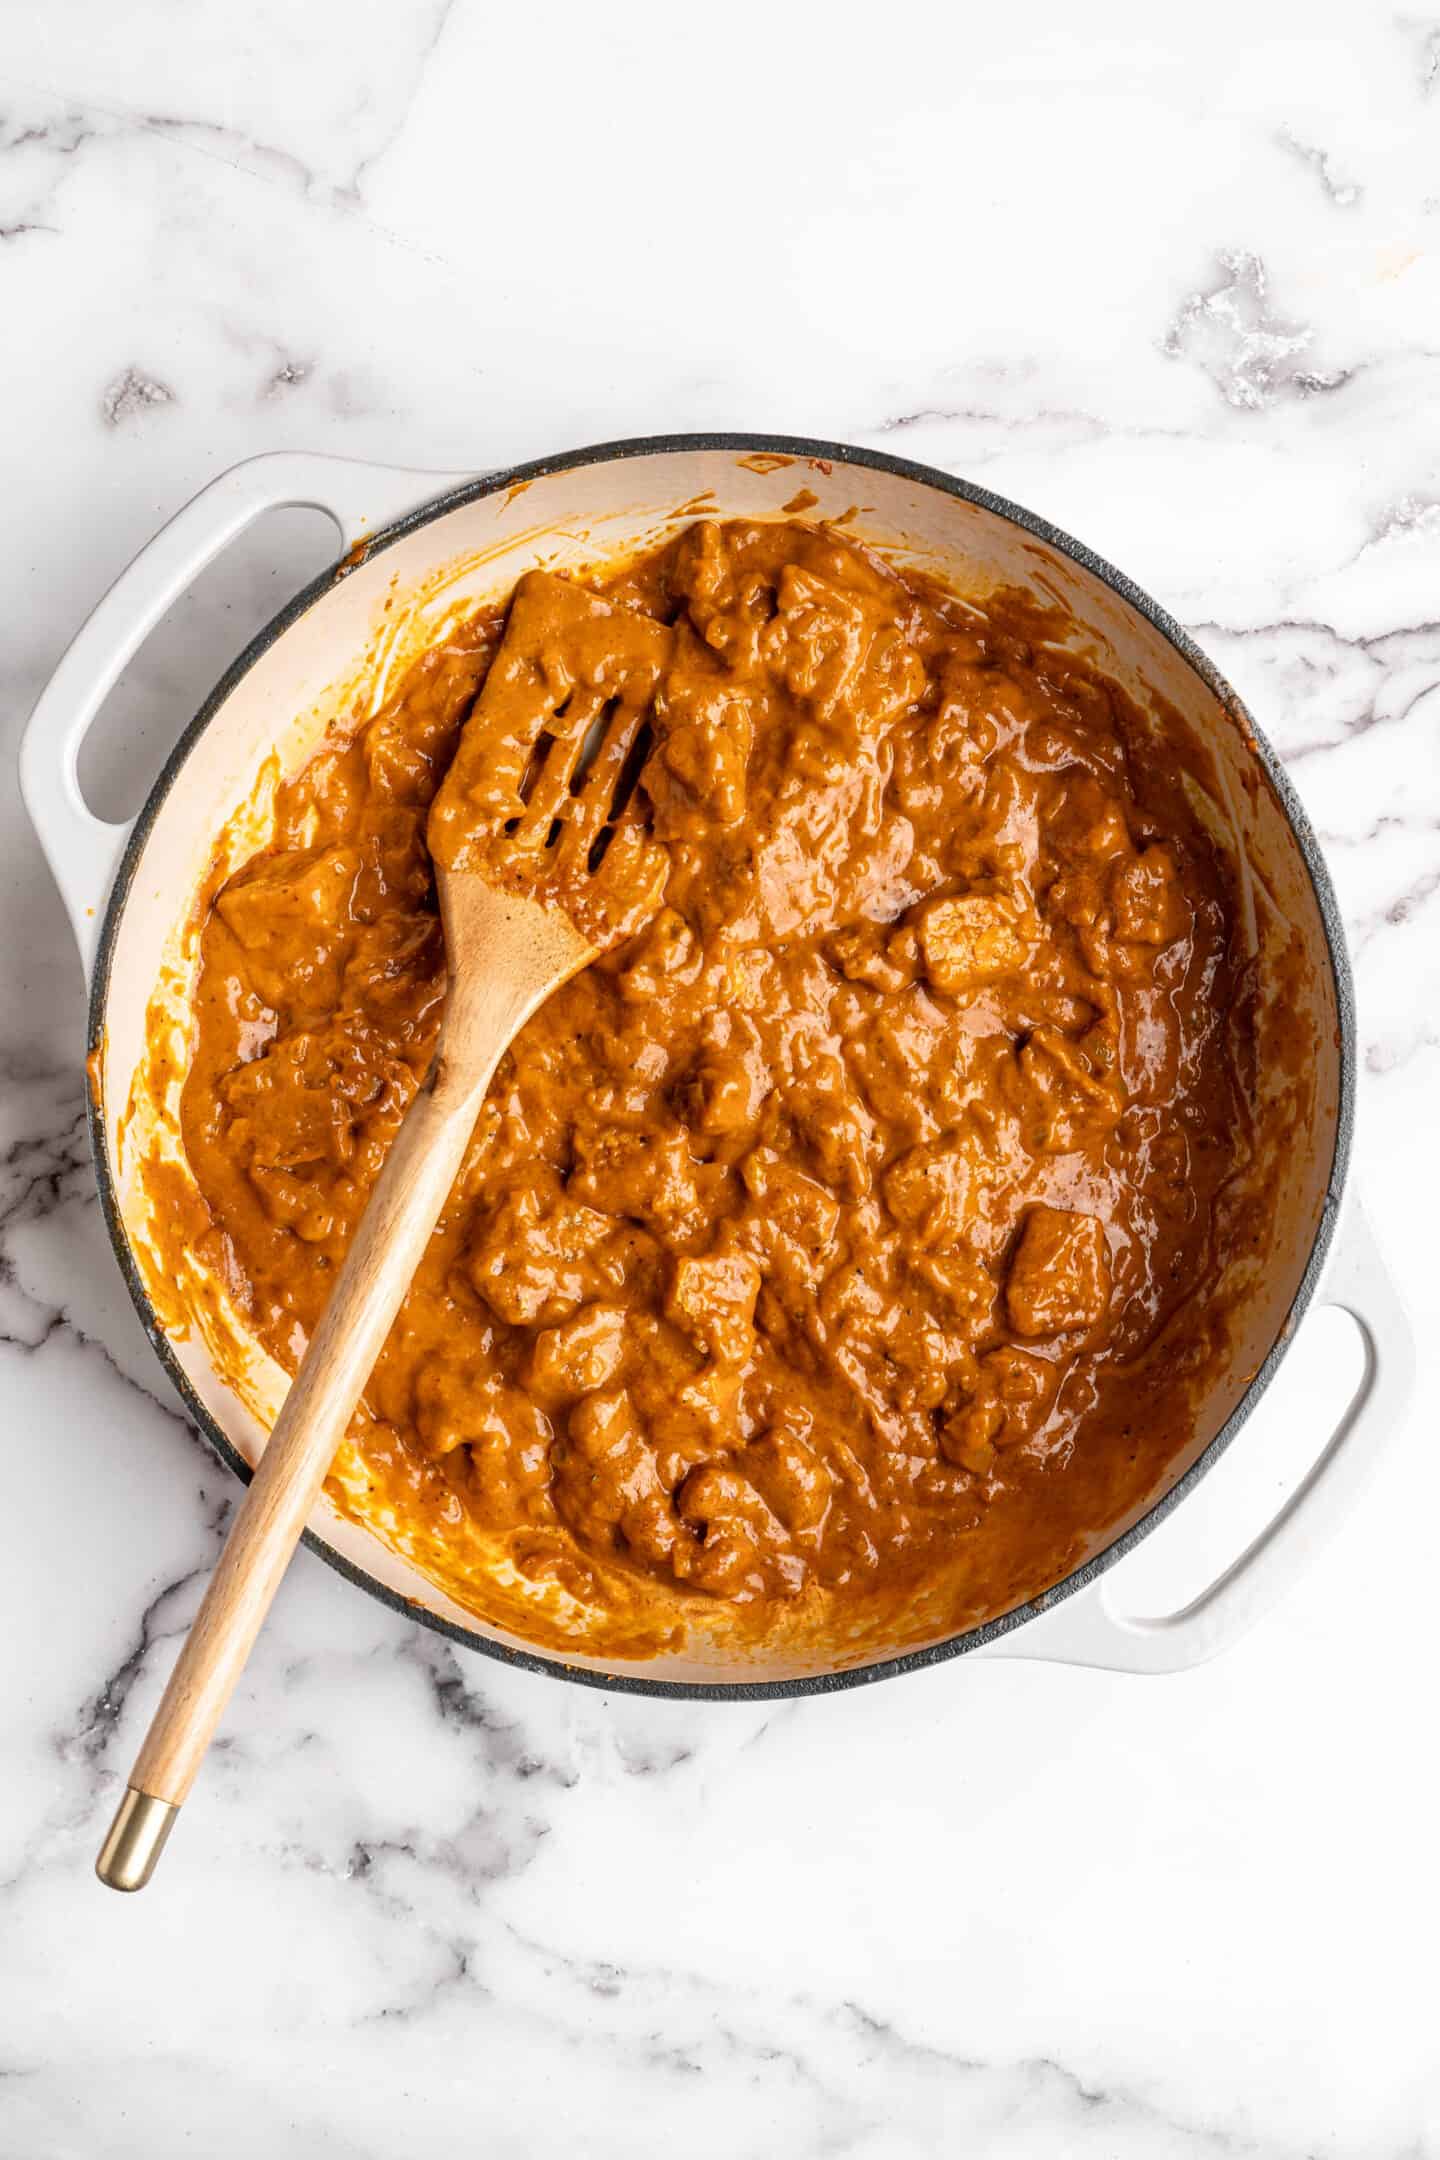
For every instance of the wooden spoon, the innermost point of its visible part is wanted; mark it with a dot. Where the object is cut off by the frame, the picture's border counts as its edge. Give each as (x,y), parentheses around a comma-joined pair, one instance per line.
(542,863)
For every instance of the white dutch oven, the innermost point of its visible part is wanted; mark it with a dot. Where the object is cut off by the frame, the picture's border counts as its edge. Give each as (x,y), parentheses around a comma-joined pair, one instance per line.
(422,547)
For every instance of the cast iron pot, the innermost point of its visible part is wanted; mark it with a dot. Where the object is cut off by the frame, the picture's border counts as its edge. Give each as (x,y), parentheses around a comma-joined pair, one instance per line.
(420,548)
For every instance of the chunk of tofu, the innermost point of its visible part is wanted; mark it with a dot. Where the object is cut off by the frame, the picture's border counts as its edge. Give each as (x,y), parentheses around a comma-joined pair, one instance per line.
(863,955)
(713,1300)
(975,939)
(284,897)
(454,1402)
(291,913)
(605,1484)
(961,1279)
(531,1259)
(742,1548)
(1022,1385)
(799,1208)
(833,646)
(1012,1391)
(1071,1095)
(666,952)
(578,1356)
(926,1188)
(728,1090)
(1145,894)
(295,1126)
(790,1477)
(697,777)
(649,1176)
(967,1437)
(1059,1277)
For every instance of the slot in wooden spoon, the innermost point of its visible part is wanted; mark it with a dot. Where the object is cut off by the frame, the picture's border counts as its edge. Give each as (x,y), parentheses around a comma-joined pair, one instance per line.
(542,861)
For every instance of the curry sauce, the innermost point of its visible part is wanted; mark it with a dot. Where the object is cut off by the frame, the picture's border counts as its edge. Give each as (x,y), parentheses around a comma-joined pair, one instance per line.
(838,1253)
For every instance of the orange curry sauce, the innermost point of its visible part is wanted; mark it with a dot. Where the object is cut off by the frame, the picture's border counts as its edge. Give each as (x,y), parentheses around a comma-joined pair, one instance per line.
(835,1258)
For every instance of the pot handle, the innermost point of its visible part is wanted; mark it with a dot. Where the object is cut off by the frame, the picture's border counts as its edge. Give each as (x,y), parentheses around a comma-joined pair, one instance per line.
(1086,1629)
(84,851)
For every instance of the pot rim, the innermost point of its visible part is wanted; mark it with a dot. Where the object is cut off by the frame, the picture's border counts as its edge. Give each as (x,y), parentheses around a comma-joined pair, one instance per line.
(1037,528)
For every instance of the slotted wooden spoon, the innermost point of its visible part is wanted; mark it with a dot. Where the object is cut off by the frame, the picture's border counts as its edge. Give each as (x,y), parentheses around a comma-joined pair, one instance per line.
(542,862)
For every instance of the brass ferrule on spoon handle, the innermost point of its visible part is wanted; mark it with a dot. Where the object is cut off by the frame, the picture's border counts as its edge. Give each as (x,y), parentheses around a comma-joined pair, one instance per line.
(136,1840)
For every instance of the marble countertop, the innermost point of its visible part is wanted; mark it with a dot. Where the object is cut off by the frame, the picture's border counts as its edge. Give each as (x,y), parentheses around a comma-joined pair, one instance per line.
(1172,279)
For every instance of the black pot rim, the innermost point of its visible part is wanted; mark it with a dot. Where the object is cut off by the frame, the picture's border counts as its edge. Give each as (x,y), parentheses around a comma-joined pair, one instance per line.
(798,448)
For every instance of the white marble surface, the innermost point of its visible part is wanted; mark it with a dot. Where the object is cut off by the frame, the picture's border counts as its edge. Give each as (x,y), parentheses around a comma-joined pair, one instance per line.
(1171,277)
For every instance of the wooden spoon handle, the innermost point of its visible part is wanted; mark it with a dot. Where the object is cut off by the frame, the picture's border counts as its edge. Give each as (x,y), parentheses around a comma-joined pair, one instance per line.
(389,1240)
